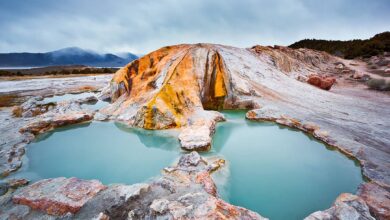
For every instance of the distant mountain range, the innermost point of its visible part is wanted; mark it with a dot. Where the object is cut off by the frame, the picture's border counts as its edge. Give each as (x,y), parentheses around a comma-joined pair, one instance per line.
(349,49)
(66,56)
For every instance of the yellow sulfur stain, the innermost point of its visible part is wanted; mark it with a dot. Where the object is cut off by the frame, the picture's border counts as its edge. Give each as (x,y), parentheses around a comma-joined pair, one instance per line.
(219,86)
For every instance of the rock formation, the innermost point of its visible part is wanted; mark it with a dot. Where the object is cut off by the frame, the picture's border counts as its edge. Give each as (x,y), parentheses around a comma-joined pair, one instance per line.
(169,87)
(180,86)
(377,198)
(64,113)
(324,83)
(58,196)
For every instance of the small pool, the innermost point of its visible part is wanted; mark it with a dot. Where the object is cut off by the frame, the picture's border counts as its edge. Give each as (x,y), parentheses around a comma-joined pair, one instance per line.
(108,151)
(69,96)
(279,172)
(94,106)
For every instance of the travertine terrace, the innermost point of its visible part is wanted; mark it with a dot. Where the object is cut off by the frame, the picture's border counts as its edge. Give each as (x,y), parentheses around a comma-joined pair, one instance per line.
(183,86)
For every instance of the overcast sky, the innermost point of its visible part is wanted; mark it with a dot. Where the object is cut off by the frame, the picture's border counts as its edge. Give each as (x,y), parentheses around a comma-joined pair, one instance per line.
(141,26)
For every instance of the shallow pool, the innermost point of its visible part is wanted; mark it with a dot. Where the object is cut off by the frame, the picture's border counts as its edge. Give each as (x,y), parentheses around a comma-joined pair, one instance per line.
(110,152)
(66,97)
(279,172)
(69,96)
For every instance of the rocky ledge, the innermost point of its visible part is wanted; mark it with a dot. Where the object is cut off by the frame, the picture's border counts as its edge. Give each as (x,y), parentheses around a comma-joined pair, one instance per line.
(185,191)
(64,113)
(58,196)
(198,135)
(346,206)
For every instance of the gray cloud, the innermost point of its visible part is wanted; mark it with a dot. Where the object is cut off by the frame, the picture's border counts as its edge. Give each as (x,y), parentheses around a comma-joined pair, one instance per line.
(143,26)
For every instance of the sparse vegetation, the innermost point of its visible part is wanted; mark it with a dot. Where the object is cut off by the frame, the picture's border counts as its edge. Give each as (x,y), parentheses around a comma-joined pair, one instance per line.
(379,84)
(349,49)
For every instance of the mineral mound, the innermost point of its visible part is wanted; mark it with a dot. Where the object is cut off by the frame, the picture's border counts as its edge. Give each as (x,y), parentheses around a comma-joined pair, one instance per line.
(171,87)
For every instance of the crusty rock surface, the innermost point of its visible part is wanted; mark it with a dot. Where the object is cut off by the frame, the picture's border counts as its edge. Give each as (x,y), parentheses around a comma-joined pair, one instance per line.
(16,92)
(58,196)
(65,113)
(198,135)
(377,199)
(12,142)
(32,107)
(346,207)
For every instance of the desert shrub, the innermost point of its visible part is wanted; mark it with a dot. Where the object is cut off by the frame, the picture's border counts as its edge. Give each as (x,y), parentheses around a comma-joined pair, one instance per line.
(379,84)
(65,72)
(75,71)
(376,45)
(6,73)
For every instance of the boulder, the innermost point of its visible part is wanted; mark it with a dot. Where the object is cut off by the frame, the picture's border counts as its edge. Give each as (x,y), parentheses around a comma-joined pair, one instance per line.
(58,196)
(324,83)
(195,138)
(198,135)
(339,66)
